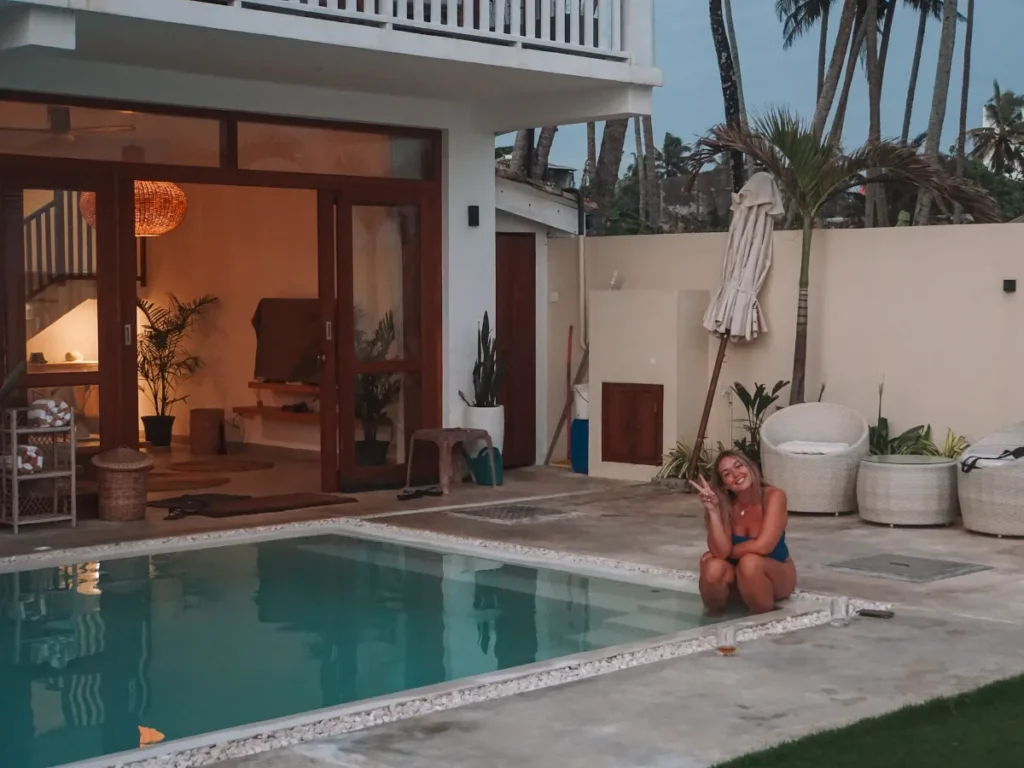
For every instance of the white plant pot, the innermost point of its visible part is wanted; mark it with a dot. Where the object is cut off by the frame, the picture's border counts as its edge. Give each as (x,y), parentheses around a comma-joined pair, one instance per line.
(491,419)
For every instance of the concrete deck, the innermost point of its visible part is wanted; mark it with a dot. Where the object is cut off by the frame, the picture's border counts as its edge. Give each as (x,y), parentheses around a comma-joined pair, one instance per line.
(948,636)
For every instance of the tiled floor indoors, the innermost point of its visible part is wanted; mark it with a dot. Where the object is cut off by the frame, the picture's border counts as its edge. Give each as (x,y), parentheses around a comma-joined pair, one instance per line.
(947,636)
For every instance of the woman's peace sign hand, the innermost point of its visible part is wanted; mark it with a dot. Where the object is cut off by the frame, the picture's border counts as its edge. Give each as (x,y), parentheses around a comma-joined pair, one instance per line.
(707,496)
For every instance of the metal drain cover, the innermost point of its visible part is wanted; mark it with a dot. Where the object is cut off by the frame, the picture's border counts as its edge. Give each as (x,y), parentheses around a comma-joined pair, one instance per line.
(512,514)
(905,568)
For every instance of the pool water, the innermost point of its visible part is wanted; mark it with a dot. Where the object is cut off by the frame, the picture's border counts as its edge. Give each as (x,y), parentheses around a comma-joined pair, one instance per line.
(98,658)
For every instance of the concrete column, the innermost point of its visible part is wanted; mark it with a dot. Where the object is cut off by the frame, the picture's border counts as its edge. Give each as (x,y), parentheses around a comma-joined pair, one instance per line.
(638,31)
(468,258)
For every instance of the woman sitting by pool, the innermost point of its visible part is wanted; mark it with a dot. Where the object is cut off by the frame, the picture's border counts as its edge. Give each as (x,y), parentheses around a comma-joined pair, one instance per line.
(746,523)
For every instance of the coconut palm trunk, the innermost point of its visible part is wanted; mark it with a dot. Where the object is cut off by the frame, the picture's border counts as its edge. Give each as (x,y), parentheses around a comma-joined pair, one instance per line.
(653,180)
(857,45)
(520,151)
(543,152)
(915,69)
(730,89)
(606,174)
(965,92)
(734,51)
(641,176)
(822,50)
(835,69)
(871,213)
(940,95)
(588,171)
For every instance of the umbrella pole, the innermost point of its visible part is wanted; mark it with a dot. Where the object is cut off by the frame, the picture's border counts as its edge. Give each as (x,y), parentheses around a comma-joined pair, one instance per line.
(691,470)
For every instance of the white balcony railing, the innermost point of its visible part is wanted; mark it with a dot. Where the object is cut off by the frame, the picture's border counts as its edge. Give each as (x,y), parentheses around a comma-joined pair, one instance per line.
(607,29)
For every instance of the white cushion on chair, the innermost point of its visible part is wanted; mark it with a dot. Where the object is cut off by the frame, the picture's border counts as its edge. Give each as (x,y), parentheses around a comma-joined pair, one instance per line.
(811,448)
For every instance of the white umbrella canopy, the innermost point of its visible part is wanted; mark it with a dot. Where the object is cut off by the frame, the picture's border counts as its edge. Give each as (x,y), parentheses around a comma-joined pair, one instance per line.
(735,309)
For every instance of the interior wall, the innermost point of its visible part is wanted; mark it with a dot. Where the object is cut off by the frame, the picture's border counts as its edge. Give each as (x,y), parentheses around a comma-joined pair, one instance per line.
(921,307)
(240,244)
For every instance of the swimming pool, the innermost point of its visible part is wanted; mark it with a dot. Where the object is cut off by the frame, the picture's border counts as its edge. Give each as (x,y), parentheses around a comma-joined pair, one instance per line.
(102,657)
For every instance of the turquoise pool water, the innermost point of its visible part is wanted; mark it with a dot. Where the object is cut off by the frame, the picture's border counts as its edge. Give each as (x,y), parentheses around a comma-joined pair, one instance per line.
(98,658)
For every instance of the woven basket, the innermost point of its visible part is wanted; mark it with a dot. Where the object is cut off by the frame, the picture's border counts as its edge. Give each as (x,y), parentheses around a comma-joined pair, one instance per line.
(121,476)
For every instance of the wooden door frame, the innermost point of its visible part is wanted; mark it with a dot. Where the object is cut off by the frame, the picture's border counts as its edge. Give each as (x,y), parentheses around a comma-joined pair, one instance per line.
(115,299)
(336,256)
(501,336)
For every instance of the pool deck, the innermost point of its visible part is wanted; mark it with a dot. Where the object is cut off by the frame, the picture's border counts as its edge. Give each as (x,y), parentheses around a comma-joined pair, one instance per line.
(948,636)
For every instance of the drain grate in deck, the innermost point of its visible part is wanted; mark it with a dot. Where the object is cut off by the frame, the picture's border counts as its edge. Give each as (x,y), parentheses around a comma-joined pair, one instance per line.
(513,514)
(905,568)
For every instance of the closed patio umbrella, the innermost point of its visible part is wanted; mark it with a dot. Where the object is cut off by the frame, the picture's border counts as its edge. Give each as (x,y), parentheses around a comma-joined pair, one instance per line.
(734,312)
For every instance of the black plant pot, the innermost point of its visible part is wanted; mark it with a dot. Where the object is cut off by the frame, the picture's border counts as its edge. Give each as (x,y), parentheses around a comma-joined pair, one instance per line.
(372,453)
(158,430)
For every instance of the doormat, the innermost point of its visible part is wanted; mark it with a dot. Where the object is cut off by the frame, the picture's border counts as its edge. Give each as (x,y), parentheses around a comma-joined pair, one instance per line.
(191,503)
(226,505)
(221,464)
(513,514)
(917,570)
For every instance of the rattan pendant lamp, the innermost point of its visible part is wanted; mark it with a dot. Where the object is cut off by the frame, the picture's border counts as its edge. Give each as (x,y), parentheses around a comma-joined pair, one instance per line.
(160,206)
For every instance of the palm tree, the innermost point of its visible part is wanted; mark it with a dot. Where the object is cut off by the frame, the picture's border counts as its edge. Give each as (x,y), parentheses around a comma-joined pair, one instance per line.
(588,169)
(674,156)
(1000,144)
(965,90)
(543,152)
(734,51)
(653,194)
(874,199)
(520,150)
(835,68)
(812,172)
(730,89)
(606,174)
(798,17)
(940,95)
(641,181)
(925,9)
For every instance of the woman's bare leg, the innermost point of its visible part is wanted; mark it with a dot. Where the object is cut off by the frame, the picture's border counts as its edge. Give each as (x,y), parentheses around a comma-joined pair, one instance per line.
(717,578)
(762,581)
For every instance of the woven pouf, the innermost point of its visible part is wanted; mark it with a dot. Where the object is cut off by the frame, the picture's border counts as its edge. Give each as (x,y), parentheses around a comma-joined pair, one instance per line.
(121,479)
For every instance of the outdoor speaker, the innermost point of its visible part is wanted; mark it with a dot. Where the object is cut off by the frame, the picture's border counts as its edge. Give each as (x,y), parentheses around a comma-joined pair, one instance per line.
(474,215)
(1009,286)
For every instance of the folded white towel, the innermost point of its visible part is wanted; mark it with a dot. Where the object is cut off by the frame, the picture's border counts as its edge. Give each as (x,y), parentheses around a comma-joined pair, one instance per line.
(811,448)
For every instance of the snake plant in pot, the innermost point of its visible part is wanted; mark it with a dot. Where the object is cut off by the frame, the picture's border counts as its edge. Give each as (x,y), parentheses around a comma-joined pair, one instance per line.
(483,411)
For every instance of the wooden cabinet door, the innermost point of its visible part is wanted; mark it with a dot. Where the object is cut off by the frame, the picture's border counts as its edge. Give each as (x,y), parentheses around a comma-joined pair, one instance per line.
(631,423)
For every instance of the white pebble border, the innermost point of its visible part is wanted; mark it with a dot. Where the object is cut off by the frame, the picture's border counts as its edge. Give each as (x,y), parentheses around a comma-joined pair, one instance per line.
(470,693)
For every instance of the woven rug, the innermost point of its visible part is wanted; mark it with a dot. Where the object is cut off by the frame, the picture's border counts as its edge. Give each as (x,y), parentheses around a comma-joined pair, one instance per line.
(217,464)
(227,505)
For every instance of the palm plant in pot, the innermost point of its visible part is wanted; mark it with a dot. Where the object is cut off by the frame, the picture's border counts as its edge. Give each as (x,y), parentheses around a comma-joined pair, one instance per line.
(164,362)
(375,393)
(483,411)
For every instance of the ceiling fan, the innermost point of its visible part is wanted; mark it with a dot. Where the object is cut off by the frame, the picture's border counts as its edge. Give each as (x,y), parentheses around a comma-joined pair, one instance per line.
(59,126)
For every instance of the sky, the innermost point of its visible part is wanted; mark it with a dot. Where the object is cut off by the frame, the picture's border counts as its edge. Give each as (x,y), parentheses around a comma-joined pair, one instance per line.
(690,101)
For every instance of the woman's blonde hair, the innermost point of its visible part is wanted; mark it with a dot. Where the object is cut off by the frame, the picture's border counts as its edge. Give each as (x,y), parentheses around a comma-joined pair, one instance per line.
(726,498)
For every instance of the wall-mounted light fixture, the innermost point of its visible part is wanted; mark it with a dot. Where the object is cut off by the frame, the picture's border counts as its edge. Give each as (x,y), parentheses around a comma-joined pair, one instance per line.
(1009,286)
(474,215)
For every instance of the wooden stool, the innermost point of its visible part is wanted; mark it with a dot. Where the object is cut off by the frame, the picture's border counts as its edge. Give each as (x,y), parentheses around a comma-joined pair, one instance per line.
(446,440)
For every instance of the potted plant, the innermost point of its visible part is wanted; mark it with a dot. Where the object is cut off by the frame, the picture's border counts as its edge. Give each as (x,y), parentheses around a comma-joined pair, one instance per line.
(375,393)
(483,412)
(164,362)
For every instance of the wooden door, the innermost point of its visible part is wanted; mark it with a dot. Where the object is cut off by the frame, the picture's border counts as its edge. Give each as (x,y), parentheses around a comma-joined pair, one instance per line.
(631,423)
(380,289)
(516,339)
(69,299)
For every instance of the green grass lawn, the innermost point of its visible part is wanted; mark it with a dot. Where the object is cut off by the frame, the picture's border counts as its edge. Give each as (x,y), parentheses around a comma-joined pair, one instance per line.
(980,729)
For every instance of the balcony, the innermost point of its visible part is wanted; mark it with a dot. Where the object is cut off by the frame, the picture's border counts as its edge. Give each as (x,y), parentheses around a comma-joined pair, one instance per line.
(602,29)
(513,63)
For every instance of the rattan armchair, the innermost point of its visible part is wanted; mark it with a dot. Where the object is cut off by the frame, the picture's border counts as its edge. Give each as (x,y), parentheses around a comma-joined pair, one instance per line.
(815,484)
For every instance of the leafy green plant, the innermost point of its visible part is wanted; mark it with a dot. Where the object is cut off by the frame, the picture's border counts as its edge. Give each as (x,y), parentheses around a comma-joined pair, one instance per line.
(375,393)
(954,446)
(756,404)
(11,382)
(163,361)
(488,371)
(678,459)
